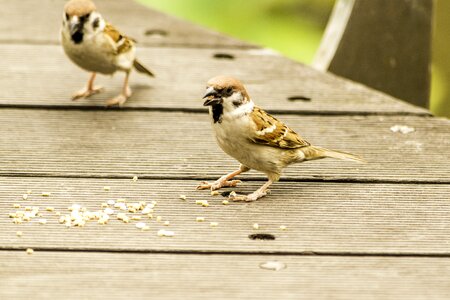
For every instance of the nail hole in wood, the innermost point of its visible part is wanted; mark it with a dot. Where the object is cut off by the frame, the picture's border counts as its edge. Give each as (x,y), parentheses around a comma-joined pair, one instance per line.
(262,236)
(223,56)
(299,98)
(156,32)
(226,194)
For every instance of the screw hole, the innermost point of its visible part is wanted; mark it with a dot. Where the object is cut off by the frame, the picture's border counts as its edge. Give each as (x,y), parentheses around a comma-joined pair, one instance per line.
(225,194)
(156,32)
(223,56)
(299,98)
(262,236)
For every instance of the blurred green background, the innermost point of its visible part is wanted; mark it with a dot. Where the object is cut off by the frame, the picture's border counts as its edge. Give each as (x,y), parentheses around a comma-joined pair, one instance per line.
(295,27)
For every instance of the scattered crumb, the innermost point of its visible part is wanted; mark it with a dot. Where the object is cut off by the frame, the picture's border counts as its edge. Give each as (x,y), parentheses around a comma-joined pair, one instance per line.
(135,178)
(106,188)
(273,265)
(166,223)
(42,221)
(19,233)
(213,224)
(402,128)
(232,194)
(158,218)
(29,192)
(25,196)
(46,194)
(121,200)
(49,208)
(16,205)
(200,219)
(167,233)
(136,218)
(29,251)
(111,202)
(214,193)
(183,197)
(141,225)
(256,226)
(282,227)
(225,202)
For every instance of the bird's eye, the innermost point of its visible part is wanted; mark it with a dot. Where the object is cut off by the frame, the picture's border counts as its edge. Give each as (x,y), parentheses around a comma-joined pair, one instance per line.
(87,15)
(229,90)
(67,16)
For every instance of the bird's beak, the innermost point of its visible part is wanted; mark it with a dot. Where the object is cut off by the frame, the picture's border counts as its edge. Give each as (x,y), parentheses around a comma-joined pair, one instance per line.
(75,25)
(213,97)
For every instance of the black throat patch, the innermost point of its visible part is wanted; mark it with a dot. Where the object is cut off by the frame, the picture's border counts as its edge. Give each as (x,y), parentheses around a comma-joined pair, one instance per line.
(77,37)
(217,111)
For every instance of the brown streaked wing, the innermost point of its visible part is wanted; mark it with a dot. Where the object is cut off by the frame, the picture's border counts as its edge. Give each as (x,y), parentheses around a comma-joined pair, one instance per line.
(281,136)
(124,43)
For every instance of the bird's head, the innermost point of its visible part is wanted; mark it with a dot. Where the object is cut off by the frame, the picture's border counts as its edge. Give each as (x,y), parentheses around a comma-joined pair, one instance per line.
(81,18)
(227,91)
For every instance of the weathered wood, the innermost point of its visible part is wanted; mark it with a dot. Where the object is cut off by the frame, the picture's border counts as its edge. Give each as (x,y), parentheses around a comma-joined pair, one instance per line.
(26,22)
(325,218)
(62,275)
(181,145)
(385,44)
(181,76)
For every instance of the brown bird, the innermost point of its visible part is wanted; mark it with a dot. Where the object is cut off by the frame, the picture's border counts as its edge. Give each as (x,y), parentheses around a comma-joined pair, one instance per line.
(255,138)
(96,46)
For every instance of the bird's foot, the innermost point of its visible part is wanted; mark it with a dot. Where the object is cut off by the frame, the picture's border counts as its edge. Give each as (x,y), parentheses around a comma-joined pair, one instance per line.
(119,99)
(251,197)
(87,92)
(204,185)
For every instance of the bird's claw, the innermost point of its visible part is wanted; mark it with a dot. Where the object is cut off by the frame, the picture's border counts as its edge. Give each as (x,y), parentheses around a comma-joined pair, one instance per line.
(86,93)
(218,184)
(248,198)
(119,99)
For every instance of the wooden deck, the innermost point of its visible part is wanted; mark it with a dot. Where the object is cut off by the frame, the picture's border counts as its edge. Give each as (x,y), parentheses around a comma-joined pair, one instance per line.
(374,231)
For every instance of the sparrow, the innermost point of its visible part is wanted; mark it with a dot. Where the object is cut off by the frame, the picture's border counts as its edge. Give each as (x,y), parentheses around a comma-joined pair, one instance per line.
(253,137)
(97,47)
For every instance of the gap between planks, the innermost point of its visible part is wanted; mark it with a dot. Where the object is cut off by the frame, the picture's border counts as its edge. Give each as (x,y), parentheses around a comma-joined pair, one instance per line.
(246,253)
(261,179)
(203,111)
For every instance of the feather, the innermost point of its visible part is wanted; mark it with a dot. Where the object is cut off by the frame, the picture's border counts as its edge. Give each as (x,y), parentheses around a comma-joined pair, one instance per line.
(272,132)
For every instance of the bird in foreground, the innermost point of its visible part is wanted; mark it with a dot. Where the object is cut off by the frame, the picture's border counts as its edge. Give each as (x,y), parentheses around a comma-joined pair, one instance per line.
(255,138)
(96,46)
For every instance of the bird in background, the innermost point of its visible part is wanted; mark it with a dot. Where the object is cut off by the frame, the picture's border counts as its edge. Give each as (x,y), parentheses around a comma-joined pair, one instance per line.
(97,47)
(255,138)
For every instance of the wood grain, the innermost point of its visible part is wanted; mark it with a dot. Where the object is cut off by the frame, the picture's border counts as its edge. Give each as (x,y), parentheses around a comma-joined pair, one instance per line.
(333,218)
(25,22)
(60,275)
(181,145)
(181,76)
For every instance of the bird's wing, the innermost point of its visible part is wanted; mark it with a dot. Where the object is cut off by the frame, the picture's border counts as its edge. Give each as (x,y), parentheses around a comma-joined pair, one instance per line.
(122,42)
(272,132)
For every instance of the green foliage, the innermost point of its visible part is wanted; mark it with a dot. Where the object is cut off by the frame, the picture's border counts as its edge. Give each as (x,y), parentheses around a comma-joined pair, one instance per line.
(292,27)
(295,27)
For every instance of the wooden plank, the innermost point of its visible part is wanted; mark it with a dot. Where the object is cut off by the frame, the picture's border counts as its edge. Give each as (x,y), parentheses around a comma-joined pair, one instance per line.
(62,275)
(371,42)
(181,145)
(326,218)
(25,22)
(270,79)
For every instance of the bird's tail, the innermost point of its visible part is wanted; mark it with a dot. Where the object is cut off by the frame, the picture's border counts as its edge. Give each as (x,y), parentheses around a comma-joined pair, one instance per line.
(313,152)
(140,68)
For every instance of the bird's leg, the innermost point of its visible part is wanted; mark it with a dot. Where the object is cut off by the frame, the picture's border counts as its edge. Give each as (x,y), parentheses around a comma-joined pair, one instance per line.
(223,181)
(89,90)
(259,193)
(123,96)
